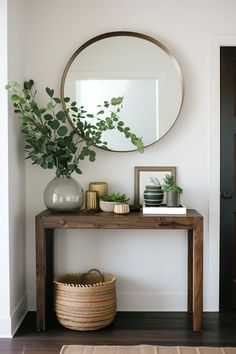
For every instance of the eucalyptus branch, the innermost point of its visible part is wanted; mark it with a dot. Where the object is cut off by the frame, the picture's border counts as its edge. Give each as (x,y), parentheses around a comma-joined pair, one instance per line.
(48,140)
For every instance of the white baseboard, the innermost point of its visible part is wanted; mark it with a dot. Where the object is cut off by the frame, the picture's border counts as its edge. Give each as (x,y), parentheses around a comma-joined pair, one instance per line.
(10,324)
(18,314)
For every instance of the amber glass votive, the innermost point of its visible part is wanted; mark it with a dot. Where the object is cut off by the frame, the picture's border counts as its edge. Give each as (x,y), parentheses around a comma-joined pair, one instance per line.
(100,187)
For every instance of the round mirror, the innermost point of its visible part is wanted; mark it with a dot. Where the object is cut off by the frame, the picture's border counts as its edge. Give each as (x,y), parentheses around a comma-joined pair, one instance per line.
(134,66)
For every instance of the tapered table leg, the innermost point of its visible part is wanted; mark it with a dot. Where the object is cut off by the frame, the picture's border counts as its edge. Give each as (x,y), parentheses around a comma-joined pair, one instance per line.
(197,275)
(40,274)
(190,271)
(49,290)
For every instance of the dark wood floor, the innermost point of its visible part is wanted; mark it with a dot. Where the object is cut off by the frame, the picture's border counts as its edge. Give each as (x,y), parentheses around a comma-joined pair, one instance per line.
(129,328)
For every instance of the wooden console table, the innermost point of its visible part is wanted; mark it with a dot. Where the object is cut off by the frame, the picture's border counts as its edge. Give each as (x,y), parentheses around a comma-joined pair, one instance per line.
(47,221)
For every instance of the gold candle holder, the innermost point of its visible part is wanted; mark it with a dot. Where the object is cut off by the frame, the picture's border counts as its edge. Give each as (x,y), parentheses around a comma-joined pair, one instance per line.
(121,208)
(91,200)
(100,187)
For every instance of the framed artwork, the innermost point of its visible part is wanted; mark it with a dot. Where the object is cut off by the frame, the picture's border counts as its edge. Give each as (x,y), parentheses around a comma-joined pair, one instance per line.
(142,175)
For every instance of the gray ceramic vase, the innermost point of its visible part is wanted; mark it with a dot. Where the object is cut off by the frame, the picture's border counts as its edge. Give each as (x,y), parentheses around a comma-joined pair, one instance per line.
(63,193)
(172,199)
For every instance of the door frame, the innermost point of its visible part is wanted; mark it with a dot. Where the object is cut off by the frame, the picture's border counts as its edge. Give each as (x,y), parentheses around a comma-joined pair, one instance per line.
(216,42)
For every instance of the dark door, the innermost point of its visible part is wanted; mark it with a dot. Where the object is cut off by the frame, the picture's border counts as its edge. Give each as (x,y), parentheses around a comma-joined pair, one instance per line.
(228,179)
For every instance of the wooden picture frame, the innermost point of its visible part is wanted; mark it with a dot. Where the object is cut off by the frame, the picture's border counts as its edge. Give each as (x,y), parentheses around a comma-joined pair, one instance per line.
(142,175)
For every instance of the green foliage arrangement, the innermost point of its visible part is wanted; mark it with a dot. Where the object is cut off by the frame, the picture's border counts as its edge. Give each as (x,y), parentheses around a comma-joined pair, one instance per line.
(115,197)
(169,185)
(50,142)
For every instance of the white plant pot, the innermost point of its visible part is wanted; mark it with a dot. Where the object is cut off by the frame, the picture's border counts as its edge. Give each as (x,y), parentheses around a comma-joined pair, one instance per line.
(107,207)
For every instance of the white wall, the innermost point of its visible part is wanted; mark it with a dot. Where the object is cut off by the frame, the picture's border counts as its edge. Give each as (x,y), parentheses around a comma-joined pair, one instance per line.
(13,241)
(5,322)
(17,200)
(150,266)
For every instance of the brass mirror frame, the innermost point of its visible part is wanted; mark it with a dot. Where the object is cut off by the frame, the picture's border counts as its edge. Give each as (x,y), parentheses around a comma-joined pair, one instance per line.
(117,34)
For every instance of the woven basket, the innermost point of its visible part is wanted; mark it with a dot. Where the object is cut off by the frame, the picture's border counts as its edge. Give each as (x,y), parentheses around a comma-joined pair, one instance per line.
(85,301)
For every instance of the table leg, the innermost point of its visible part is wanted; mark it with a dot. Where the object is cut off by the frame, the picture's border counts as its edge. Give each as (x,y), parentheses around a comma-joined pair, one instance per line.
(40,274)
(190,271)
(49,290)
(197,275)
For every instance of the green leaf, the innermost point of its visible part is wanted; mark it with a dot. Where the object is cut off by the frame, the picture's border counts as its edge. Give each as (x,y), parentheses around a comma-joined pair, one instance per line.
(77,170)
(49,92)
(15,98)
(92,156)
(34,157)
(48,117)
(34,106)
(62,131)
(50,147)
(69,138)
(28,84)
(54,124)
(61,142)
(57,100)
(49,158)
(116,101)
(109,121)
(90,115)
(140,148)
(39,161)
(58,171)
(81,156)
(50,165)
(44,164)
(71,167)
(75,109)
(37,112)
(66,99)
(101,112)
(85,151)
(79,126)
(61,115)
(50,105)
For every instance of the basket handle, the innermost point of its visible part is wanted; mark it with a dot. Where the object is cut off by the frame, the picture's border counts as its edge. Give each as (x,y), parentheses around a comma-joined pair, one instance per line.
(94,270)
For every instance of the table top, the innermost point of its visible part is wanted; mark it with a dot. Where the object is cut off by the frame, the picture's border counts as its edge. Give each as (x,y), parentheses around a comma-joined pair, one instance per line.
(134,220)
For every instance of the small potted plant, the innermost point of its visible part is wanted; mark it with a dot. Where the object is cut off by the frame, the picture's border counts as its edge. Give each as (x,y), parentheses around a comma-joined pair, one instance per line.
(172,191)
(108,201)
(153,193)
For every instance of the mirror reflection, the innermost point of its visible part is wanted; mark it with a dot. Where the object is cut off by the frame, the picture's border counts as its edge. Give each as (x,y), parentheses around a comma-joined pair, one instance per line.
(136,67)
